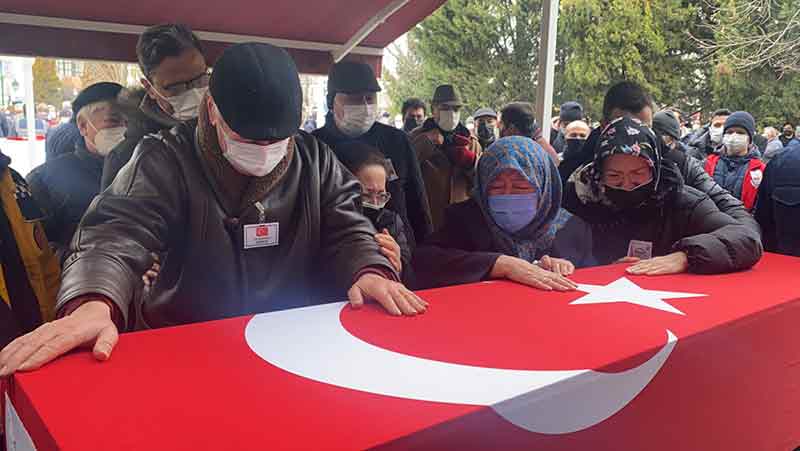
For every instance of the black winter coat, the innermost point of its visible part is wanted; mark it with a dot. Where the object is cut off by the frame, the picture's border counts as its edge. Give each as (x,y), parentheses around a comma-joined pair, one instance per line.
(169,200)
(692,171)
(778,204)
(64,187)
(463,251)
(686,220)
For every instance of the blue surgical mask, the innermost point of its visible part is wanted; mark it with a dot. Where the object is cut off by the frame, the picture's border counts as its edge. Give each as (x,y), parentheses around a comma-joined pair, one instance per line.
(513,212)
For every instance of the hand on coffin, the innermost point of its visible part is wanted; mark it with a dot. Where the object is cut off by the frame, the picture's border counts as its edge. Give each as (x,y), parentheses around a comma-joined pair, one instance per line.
(675,263)
(557,265)
(393,296)
(89,325)
(520,271)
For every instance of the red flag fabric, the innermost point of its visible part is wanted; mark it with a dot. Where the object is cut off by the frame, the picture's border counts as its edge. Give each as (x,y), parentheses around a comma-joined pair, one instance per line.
(626,362)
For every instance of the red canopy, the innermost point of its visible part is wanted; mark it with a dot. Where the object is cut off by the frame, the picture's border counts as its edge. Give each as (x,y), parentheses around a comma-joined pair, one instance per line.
(107,30)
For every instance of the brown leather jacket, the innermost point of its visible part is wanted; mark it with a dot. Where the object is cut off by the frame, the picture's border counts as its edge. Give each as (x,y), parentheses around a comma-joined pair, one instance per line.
(170,201)
(445,184)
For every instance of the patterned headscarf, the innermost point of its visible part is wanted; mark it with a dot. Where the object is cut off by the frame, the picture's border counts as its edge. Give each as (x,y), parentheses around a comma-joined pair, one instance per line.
(528,158)
(626,136)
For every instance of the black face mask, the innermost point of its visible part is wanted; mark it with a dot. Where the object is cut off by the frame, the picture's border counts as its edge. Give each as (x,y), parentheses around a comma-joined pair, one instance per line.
(628,200)
(374,215)
(411,124)
(574,145)
(486,134)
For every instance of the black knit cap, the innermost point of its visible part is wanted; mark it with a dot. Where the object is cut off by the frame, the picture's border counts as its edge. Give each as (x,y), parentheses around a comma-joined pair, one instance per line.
(741,119)
(571,111)
(665,124)
(97,92)
(257,90)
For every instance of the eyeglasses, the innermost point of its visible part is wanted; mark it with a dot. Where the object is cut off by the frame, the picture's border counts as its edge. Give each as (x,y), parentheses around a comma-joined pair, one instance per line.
(176,89)
(380,198)
(638,178)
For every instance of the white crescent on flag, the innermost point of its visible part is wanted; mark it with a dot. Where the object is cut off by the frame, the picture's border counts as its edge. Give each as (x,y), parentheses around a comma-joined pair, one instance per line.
(312,342)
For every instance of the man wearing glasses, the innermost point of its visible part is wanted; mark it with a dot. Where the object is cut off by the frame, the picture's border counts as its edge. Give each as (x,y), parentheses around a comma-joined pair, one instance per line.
(175,81)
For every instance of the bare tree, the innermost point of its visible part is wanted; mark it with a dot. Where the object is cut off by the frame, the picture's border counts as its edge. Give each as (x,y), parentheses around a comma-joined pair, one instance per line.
(749,34)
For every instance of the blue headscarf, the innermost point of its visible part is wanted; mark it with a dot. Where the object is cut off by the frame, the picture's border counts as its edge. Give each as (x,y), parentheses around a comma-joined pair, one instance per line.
(528,158)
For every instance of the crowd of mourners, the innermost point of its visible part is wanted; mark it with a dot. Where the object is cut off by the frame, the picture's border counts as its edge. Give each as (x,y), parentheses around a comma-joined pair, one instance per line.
(197,197)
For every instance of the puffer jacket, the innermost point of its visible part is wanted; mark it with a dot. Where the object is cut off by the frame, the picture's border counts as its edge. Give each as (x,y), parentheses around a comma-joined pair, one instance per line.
(174,199)
(685,219)
(695,175)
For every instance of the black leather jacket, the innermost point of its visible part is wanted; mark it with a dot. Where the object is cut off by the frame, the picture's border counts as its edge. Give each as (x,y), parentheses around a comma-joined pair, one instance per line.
(167,202)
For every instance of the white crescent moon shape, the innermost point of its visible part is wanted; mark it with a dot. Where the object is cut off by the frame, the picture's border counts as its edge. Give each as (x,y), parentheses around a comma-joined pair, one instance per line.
(312,342)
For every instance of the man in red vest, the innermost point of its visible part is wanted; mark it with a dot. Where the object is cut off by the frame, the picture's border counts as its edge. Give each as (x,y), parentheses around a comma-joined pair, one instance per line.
(738,168)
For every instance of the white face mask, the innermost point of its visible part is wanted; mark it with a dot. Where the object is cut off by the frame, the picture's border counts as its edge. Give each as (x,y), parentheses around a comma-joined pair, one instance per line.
(254,159)
(185,106)
(448,120)
(107,139)
(735,143)
(357,119)
(715,133)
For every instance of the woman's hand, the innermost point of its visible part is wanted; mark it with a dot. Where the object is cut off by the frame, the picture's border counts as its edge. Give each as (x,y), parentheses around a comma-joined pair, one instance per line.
(557,265)
(675,263)
(520,271)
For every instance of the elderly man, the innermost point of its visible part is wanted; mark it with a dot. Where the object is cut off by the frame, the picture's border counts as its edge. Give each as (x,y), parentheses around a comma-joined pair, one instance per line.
(353,103)
(250,214)
(447,153)
(575,135)
(67,184)
(774,144)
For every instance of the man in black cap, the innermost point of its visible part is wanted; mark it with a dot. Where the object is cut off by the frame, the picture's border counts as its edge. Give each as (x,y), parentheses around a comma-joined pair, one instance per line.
(666,125)
(249,213)
(570,112)
(67,184)
(352,103)
(447,153)
(485,126)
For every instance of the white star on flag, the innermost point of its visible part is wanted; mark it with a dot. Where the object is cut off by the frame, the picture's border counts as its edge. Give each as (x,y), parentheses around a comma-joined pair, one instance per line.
(623,290)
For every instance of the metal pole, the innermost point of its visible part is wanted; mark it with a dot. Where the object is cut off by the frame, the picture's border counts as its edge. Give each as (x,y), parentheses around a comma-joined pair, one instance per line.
(547,61)
(2,85)
(30,111)
(379,18)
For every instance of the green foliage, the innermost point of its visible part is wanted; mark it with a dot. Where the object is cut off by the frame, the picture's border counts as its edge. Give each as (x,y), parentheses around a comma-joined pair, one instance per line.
(489,50)
(770,99)
(46,85)
(483,47)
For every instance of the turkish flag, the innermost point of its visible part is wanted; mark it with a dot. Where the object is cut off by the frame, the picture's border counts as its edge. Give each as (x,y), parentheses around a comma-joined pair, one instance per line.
(719,353)
(262,231)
